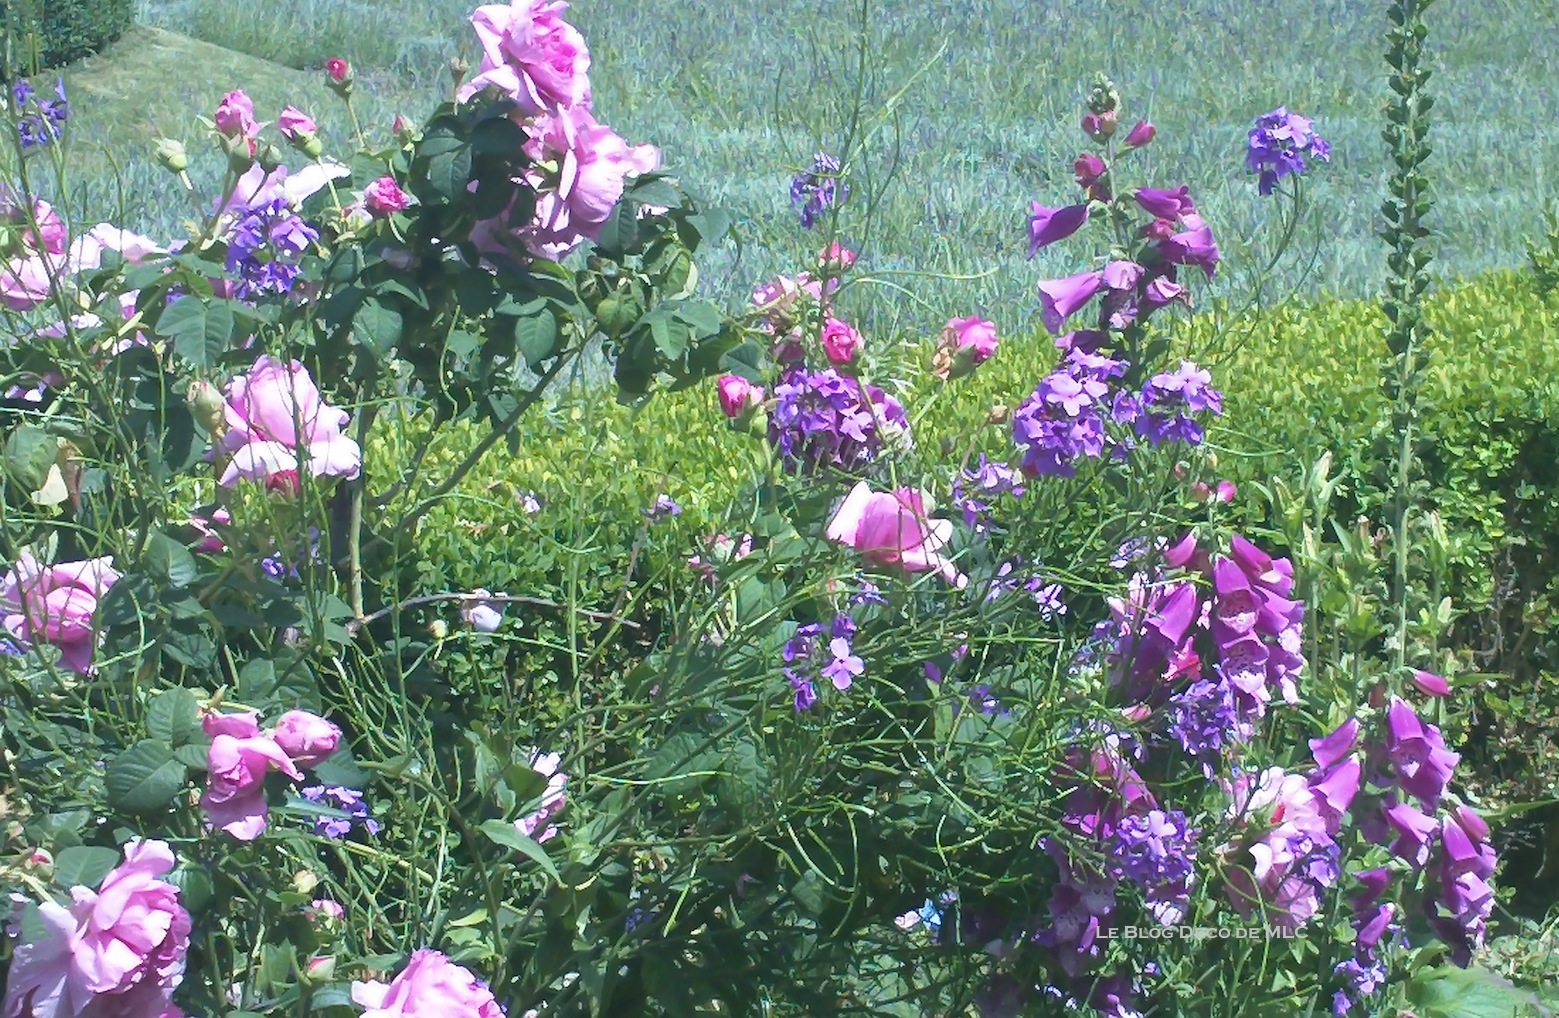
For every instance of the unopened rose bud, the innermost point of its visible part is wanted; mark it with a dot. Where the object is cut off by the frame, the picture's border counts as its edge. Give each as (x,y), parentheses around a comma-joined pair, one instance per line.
(240,153)
(304,881)
(999,415)
(268,157)
(171,155)
(41,862)
(439,628)
(320,969)
(403,128)
(208,407)
(339,77)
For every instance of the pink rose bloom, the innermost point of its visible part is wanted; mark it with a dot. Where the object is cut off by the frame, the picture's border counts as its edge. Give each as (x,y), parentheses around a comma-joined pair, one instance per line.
(117,952)
(307,738)
(294,123)
(211,539)
(965,343)
(840,341)
(737,395)
(383,197)
(235,116)
(593,167)
(46,256)
(891,529)
(431,986)
(57,604)
(274,411)
(530,54)
(538,825)
(256,187)
(239,759)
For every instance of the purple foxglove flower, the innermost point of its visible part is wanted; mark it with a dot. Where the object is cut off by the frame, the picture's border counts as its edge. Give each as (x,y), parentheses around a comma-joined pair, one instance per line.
(1122,275)
(1048,225)
(1163,291)
(1414,830)
(1372,925)
(1423,764)
(1464,851)
(1334,789)
(1332,748)
(1180,554)
(1375,883)
(1192,247)
(1062,298)
(1140,135)
(1276,575)
(1430,685)
(1176,614)
(1165,203)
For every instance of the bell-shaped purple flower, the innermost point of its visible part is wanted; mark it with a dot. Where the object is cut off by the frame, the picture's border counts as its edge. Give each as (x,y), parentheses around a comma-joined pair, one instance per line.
(1048,225)
(1415,831)
(1166,203)
(1192,247)
(1062,298)
(1332,748)
(1422,762)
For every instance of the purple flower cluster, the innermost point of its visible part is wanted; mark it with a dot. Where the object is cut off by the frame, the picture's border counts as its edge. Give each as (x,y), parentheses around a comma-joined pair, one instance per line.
(814,191)
(814,652)
(822,419)
(664,508)
(1279,143)
(264,248)
(1374,921)
(1157,850)
(41,120)
(349,800)
(1048,596)
(973,489)
(1067,417)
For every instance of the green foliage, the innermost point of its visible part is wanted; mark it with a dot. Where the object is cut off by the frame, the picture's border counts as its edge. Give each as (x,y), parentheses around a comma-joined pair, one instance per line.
(1543,256)
(60,31)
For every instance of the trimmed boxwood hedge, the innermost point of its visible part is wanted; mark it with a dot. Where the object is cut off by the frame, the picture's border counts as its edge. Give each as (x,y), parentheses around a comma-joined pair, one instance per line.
(65,30)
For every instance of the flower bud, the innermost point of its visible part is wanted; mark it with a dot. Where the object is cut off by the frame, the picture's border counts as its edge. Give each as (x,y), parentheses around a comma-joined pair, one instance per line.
(458,69)
(268,157)
(171,155)
(339,77)
(40,862)
(208,407)
(1140,135)
(240,153)
(320,969)
(439,628)
(304,881)
(999,415)
(403,129)
(835,259)
(1099,126)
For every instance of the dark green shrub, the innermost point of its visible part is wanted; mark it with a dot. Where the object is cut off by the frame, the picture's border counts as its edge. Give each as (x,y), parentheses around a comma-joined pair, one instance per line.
(62,30)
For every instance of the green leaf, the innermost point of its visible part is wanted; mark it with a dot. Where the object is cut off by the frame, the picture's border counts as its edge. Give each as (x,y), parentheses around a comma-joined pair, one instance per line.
(536,335)
(169,560)
(29,453)
(703,316)
(200,332)
(509,836)
(173,717)
(445,155)
(83,866)
(144,777)
(1474,992)
(711,225)
(376,328)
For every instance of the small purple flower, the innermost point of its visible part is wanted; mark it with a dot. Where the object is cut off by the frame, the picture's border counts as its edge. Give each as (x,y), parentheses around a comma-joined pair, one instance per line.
(349,800)
(264,245)
(41,120)
(664,507)
(844,667)
(805,692)
(869,593)
(1278,145)
(814,191)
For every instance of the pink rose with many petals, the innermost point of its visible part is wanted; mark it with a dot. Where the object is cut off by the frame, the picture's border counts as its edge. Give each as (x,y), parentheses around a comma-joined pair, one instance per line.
(117,952)
(275,411)
(531,55)
(593,166)
(294,123)
(235,116)
(840,341)
(891,529)
(383,197)
(239,759)
(45,257)
(57,604)
(431,986)
(307,738)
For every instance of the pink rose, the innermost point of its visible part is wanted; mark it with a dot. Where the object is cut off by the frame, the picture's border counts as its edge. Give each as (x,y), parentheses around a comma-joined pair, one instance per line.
(57,605)
(965,343)
(835,258)
(239,759)
(275,411)
(430,985)
(117,952)
(530,54)
(737,395)
(338,70)
(235,116)
(383,197)
(294,123)
(308,738)
(593,167)
(891,529)
(840,341)
(45,258)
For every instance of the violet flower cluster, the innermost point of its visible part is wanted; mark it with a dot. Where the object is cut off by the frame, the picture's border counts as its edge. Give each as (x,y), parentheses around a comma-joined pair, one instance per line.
(41,121)
(1278,145)
(973,490)
(818,189)
(265,248)
(1067,417)
(814,652)
(350,801)
(826,419)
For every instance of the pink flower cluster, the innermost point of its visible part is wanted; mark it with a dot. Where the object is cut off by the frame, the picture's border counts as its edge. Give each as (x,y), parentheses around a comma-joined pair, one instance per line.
(117,952)
(57,605)
(429,985)
(241,755)
(275,416)
(36,254)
